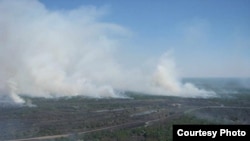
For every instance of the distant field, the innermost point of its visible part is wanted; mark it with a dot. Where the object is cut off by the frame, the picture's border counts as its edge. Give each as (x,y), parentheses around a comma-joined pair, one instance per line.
(140,117)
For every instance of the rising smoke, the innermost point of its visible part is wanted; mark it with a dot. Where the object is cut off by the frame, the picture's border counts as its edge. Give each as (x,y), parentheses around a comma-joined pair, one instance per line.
(46,53)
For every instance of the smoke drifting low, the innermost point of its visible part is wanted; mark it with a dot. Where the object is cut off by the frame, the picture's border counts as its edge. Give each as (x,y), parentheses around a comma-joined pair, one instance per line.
(48,54)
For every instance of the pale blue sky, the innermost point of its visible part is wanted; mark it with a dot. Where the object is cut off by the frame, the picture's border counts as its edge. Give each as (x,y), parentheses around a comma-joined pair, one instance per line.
(209,38)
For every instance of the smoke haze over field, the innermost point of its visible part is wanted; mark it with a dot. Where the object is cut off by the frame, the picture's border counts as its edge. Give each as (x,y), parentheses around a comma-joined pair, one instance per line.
(46,53)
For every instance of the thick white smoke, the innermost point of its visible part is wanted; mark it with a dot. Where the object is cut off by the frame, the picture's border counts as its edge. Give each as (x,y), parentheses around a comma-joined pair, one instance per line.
(167,79)
(47,53)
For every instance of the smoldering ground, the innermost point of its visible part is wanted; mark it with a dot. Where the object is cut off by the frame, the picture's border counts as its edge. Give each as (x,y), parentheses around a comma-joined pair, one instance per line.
(54,53)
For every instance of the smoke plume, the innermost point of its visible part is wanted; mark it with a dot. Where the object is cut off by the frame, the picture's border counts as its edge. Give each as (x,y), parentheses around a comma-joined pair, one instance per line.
(45,53)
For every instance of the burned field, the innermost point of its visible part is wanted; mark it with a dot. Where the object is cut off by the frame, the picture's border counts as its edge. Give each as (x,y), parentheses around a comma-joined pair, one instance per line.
(140,117)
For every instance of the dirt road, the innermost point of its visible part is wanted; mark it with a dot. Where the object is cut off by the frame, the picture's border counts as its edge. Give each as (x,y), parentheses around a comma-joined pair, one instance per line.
(137,123)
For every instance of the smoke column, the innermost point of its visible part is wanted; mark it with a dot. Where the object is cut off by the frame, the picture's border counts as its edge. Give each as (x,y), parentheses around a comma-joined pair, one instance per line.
(166,80)
(50,54)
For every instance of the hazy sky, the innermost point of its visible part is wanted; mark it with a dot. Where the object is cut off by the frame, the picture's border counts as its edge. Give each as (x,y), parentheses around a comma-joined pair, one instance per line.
(97,48)
(209,38)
